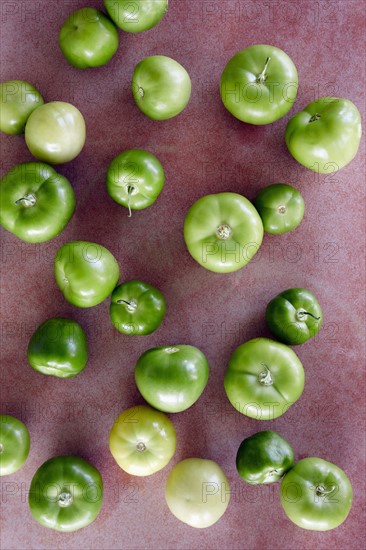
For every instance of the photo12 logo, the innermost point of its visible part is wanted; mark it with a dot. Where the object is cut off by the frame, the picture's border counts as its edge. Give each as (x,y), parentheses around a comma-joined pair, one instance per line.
(264,11)
(250,92)
(239,492)
(229,251)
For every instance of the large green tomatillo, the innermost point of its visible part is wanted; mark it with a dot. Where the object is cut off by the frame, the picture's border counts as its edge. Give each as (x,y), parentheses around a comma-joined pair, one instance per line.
(294,316)
(316,494)
(264,457)
(36,203)
(172,378)
(55,132)
(263,379)
(85,272)
(14,444)
(137,308)
(142,440)
(18,99)
(66,494)
(259,84)
(58,348)
(325,135)
(223,232)
(161,87)
(136,15)
(135,179)
(197,492)
(281,208)
(88,38)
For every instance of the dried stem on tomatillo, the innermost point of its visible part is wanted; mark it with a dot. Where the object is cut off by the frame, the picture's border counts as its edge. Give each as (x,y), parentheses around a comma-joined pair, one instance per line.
(65,499)
(223,232)
(320,490)
(265,377)
(130,190)
(300,314)
(131,306)
(262,76)
(27,201)
(314,117)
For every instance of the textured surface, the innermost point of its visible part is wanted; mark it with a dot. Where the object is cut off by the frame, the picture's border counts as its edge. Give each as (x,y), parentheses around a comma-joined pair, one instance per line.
(203,150)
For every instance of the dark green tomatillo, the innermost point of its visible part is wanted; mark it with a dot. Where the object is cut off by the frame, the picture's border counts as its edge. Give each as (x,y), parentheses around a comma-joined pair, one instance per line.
(294,316)
(135,178)
(59,348)
(281,208)
(66,493)
(137,308)
(264,457)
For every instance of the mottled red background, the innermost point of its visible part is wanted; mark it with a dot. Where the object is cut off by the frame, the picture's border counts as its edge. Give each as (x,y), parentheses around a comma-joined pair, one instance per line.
(204,150)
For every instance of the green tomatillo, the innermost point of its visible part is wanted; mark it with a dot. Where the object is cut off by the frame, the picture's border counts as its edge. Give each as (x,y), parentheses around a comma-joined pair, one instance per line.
(36,203)
(142,440)
(18,99)
(135,179)
(58,348)
(223,232)
(137,308)
(136,15)
(66,494)
(264,457)
(325,135)
(14,444)
(263,379)
(259,84)
(316,494)
(171,378)
(85,272)
(88,38)
(55,132)
(281,208)
(294,316)
(161,87)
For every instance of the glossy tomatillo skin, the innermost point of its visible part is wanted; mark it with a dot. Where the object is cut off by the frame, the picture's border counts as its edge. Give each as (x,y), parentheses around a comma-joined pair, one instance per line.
(259,84)
(136,15)
(172,378)
(58,348)
(66,494)
(325,136)
(85,272)
(36,203)
(137,308)
(263,379)
(14,444)
(264,457)
(18,99)
(197,492)
(88,38)
(281,208)
(316,494)
(55,132)
(223,232)
(294,316)
(161,87)
(142,440)
(135,179)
